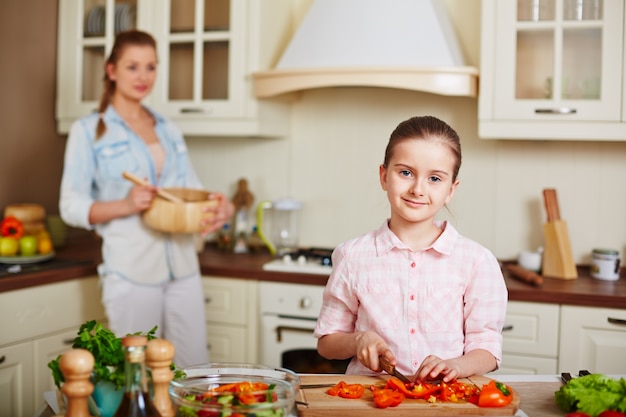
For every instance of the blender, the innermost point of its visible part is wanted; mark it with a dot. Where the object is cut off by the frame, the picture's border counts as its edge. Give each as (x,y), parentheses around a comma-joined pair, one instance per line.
(277,224)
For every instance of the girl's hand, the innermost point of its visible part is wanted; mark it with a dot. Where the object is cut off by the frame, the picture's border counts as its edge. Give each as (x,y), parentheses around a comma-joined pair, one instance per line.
(369,346)
(140,198)
(222,213)
(433,367)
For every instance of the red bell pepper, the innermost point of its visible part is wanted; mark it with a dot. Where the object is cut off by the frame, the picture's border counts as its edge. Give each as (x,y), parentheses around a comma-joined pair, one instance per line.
(495,394)
(345,390)
(421,390)
(11,227)
(386,397)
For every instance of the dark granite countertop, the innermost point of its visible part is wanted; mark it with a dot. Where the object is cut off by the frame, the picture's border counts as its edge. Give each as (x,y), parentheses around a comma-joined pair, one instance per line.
(81,255)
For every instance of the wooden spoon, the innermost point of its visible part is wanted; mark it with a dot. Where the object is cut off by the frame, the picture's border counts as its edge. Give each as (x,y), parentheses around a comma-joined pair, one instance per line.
(160,192)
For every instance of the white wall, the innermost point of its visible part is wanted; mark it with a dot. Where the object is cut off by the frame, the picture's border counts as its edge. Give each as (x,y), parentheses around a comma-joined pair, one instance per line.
(338,137)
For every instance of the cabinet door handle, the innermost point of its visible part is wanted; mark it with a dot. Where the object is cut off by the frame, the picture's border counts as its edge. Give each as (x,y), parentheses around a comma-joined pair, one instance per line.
(280,329)
(192,110)
(2,359)
(558,110)
(507,328)
(68,342)
(612,320)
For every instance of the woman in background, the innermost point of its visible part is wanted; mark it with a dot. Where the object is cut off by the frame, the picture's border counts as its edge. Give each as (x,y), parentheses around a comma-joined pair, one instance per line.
(148,278)
(430,300)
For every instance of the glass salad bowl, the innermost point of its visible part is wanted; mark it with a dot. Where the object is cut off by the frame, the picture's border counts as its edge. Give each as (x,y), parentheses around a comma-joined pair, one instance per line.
(223,389)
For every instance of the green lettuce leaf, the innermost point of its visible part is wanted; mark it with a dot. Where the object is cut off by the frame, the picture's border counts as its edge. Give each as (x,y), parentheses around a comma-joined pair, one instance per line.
(592,394)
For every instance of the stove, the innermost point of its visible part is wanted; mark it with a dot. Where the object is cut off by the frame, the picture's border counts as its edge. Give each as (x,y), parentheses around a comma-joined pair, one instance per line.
(305,260)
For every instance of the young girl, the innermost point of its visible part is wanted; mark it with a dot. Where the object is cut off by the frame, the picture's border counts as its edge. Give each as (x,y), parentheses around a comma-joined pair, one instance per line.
(148,278)
(415,290)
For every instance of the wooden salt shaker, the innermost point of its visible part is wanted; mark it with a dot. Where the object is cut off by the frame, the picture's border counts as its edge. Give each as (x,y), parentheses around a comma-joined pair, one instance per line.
(159,356)
(77,365)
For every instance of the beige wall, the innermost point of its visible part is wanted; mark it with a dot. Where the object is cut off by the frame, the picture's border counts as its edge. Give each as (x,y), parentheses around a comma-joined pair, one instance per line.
(338,136)
(31,151)
(330,161)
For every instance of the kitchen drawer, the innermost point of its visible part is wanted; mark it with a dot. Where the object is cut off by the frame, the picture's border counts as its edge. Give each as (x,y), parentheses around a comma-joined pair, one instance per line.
(226,300)
(526,365)
(226,343)
(533,329)
(46,309)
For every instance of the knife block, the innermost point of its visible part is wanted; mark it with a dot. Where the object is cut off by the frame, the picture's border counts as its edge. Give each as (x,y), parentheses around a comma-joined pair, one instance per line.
(558,261)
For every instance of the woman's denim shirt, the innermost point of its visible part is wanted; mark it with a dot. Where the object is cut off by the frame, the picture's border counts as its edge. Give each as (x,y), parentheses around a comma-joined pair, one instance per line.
(93,172)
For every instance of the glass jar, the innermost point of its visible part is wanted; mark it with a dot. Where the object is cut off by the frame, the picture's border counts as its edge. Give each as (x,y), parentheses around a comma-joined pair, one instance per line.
(605,264)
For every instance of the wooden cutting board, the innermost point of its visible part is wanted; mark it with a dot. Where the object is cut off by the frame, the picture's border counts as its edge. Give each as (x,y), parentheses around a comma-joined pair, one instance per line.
(321,404)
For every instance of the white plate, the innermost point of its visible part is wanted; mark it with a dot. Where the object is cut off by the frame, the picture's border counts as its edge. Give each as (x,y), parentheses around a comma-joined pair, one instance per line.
(26,259)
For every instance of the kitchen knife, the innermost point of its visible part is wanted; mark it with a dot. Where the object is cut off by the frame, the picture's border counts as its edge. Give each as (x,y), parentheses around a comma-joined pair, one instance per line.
(391,370)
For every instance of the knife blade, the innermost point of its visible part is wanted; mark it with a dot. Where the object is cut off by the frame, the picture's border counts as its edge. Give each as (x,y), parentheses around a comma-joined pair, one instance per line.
(391,370)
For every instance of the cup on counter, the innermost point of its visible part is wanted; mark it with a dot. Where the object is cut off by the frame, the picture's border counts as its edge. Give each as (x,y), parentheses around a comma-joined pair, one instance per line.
(530,260)
(605,264)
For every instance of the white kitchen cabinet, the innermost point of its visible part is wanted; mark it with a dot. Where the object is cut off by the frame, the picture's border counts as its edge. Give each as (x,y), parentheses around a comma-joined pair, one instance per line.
(593,339)
(207,50)
(38,323)
(16,380)
(530,338)
(551,71)
(231,317)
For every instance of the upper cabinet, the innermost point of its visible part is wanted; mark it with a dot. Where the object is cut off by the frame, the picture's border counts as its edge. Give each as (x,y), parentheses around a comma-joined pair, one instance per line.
(553,69)
(207,51)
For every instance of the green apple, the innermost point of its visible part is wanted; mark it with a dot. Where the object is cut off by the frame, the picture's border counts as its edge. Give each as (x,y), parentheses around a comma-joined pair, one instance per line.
(28,245)
(8,246)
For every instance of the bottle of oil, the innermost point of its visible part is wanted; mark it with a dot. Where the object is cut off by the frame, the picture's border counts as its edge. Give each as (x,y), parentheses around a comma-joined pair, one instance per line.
(136,401)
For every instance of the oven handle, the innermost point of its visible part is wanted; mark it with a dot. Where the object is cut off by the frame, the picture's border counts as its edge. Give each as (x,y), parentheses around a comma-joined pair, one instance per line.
(281,329)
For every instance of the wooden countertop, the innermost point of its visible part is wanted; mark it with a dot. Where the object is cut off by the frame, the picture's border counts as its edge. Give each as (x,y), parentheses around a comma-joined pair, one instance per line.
(85,246)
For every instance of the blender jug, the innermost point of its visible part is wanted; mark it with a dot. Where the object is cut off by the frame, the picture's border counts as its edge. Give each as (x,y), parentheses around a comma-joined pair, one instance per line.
(277,224)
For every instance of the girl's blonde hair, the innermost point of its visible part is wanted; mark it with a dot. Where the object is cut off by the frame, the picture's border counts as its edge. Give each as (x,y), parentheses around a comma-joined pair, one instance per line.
(122,40)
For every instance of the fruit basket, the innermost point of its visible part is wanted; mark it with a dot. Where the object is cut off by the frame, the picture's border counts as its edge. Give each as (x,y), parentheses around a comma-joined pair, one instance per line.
(230,388)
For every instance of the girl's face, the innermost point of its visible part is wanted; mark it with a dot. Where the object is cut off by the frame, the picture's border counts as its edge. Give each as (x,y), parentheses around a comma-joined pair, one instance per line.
(134,73)
(418,180)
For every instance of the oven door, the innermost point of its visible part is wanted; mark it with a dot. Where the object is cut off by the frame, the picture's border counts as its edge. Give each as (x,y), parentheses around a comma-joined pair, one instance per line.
(288,342)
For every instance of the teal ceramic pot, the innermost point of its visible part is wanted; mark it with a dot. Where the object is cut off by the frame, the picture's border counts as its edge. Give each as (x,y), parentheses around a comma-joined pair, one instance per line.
(106,398)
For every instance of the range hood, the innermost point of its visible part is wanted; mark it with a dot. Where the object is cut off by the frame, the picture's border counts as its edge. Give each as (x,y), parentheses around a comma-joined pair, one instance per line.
(404,44)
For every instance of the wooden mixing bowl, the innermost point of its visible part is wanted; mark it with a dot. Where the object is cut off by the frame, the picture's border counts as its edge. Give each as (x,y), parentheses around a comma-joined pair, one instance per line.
(186,217)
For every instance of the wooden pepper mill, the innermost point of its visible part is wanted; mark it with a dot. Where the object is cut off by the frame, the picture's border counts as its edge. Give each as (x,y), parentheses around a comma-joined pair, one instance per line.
(77,365)
(159,356)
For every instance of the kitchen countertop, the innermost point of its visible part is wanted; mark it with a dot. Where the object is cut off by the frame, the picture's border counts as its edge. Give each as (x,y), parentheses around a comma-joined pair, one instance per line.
(536,393)
(84,247)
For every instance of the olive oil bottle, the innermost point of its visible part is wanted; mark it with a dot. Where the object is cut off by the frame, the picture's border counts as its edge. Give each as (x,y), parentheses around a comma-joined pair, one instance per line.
(136,401)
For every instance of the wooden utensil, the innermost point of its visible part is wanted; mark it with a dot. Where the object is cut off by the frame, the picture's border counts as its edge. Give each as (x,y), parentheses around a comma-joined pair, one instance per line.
(391,370)
(524,275)
(160,192)
(558,261)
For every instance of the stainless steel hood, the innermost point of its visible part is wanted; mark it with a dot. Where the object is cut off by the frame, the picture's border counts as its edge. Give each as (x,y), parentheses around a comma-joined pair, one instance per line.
(404,44)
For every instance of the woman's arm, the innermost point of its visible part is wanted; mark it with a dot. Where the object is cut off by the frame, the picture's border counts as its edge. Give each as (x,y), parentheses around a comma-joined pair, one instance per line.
(139,198)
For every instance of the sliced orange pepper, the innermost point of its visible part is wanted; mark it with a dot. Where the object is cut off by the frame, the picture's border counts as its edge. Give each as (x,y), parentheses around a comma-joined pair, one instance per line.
(421,390)
(386,397)
(345,390)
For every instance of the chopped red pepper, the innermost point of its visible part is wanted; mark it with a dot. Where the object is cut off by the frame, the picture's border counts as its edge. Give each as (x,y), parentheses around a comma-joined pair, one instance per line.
(495,394)
(345,390)
(386,397)
(11,227)
(421,390)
